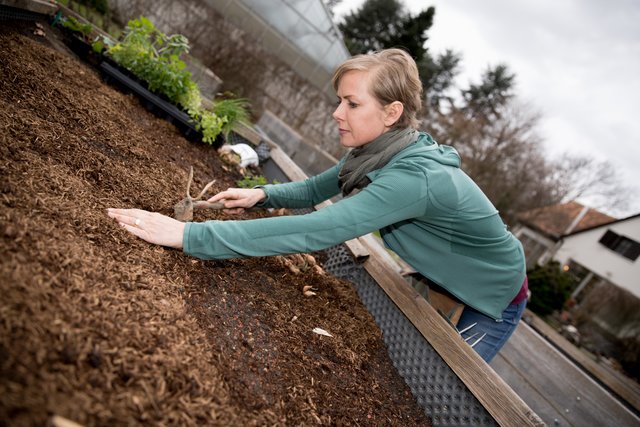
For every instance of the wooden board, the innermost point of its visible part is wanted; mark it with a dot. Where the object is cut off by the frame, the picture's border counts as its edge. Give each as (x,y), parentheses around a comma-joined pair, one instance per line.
(37,6)
(506,407)
(555,386)
(248,133)
(625,388)
(527,391)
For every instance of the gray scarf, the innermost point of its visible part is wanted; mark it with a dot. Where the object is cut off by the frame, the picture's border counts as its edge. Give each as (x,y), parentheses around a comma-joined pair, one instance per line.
(372,156)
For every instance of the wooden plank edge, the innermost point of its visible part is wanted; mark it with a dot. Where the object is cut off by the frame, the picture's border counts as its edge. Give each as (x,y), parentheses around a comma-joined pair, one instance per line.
(485,384)
(43,7)
(504,405)
(69,12)
(248,133)
(625,389)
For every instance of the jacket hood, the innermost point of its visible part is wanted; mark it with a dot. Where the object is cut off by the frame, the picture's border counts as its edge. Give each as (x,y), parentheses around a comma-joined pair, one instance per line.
(426,146)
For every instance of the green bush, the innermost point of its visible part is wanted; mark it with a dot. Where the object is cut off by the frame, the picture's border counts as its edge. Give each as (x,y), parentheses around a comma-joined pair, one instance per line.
(210,125)
(550,288)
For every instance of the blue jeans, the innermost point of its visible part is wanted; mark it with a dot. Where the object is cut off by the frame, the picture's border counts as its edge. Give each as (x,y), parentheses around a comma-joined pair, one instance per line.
(494,333)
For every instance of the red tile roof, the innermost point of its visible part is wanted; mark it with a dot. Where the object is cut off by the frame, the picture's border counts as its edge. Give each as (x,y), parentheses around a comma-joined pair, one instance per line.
(554,221)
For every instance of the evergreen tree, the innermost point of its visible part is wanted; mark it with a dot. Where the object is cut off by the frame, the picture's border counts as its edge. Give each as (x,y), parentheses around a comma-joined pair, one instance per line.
(485,100)
(437,75)
(382,24)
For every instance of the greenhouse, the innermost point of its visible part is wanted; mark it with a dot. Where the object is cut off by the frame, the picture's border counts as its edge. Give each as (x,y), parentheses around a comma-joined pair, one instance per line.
(300,32)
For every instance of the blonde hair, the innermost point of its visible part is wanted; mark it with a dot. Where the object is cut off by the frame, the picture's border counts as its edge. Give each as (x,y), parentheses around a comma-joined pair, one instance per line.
(394,77)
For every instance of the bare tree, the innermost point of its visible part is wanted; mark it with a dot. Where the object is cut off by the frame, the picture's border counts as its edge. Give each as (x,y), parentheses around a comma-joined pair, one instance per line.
(582,177)
(496,136)
(503,156)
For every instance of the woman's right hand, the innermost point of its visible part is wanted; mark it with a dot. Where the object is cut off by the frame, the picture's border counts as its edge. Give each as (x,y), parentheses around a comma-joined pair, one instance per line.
(236,200)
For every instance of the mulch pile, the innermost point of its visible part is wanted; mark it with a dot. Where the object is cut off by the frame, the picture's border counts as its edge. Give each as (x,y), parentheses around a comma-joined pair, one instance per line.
(104,329)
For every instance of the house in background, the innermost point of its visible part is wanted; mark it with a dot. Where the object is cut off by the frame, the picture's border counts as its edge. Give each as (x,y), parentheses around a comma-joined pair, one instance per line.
(602,254)
(589,243)
(607,253)
(541,230)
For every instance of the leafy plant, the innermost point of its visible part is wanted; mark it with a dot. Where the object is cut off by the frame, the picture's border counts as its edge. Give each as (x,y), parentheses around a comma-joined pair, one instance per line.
(191,100)
(234,110)
(155,58)
(251,181)
(100,44)
(73,24)
(210,125)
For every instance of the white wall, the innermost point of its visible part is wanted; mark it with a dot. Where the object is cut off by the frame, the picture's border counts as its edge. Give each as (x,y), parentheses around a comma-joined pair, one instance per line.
(584,249)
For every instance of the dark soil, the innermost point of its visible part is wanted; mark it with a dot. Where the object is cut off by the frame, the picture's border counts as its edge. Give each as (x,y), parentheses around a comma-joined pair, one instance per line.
(104,329)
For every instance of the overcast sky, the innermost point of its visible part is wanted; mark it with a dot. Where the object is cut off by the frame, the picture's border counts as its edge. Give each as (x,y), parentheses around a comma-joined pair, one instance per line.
(577,62)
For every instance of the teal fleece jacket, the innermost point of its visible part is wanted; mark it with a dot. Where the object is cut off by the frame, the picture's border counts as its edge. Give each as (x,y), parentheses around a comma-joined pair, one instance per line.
(427,209)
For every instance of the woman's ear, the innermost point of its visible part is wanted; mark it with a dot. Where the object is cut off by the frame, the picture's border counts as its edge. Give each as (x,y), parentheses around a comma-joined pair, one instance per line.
(393,112)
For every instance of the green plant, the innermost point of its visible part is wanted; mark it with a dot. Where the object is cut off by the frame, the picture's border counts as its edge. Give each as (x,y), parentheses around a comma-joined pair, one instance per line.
(73,24)
(235,110)
(251,181)
(210,125)
(155,58)
(100,44)
(550,288)
(191,100)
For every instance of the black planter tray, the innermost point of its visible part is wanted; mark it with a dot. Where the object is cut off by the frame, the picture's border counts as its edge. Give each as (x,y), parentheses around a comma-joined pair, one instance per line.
(116,75)
(80,46)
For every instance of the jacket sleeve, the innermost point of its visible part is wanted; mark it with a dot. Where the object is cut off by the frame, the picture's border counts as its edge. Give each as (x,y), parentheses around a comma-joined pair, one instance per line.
(392,197)
(303,194)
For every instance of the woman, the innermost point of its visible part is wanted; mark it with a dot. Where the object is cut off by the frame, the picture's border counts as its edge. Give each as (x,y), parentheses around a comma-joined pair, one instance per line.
(396,180)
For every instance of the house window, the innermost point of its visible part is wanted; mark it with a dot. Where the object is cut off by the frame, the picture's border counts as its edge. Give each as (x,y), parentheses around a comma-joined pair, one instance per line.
(626,247)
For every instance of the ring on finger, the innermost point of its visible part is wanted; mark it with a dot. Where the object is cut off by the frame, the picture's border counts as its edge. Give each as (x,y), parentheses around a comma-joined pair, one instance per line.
(137,222)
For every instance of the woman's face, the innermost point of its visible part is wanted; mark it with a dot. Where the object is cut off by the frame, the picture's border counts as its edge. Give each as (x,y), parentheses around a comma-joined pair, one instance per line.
(360,116)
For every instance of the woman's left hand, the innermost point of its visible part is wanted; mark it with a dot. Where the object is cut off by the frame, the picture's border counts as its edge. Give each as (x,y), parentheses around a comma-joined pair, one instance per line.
(150,226)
